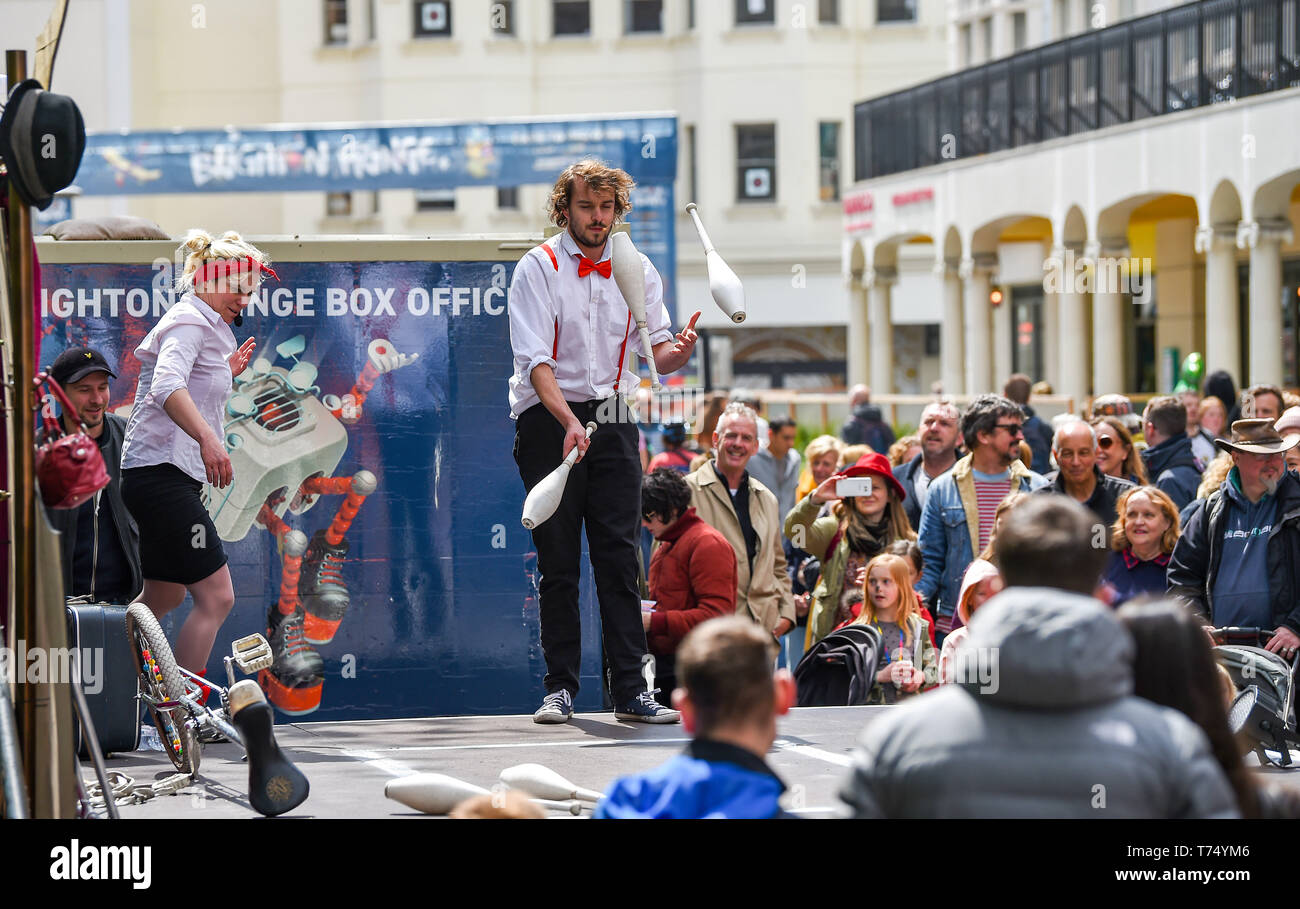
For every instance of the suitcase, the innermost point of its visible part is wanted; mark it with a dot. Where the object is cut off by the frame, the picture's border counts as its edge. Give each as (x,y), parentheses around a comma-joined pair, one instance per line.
(109,678)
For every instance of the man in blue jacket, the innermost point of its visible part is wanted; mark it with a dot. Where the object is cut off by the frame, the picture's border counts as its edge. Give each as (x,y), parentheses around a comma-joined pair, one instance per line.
(1237,561)
(962,503)
(1170,463)
(729,700)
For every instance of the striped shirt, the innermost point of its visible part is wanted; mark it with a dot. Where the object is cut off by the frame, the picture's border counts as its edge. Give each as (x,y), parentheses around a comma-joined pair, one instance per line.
(990,490)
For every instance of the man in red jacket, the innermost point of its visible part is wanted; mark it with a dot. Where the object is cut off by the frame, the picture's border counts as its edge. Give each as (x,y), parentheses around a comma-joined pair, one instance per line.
(692,572)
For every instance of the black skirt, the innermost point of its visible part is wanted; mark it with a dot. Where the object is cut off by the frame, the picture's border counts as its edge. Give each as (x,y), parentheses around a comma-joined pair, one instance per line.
(178,541)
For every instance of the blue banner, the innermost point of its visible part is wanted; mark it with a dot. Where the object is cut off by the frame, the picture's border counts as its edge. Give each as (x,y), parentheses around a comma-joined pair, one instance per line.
(403,156)
(372,156)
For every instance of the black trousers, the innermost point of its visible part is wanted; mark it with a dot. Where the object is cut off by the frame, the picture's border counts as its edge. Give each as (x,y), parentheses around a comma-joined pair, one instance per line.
(604,493)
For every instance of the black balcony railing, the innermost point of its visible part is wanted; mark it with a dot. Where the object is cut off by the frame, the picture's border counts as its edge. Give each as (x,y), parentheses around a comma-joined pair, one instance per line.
(1188,56)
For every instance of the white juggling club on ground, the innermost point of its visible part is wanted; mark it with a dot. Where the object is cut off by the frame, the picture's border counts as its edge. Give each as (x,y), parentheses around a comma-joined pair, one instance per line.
(543,782)
(545,497)
(437,793)
(629,275)
(725,287)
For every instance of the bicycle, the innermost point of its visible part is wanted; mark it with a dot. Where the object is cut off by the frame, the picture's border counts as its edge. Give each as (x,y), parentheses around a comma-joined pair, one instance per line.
(173,695)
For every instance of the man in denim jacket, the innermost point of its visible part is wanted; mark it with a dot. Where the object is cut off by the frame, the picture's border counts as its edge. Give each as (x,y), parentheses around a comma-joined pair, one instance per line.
(958,514)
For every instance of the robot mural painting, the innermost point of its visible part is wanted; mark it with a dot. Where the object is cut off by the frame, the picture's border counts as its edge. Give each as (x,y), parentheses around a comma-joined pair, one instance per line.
(286,440)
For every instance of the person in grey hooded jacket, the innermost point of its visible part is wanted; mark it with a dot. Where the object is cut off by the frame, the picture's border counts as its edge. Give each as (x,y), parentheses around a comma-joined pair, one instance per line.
(1042,722)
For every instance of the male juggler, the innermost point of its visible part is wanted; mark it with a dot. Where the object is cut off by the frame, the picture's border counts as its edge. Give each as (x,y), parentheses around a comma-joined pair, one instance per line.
(571,333)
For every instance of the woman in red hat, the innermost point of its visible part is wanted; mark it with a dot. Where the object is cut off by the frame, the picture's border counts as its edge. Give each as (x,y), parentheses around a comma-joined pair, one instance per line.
(858,529)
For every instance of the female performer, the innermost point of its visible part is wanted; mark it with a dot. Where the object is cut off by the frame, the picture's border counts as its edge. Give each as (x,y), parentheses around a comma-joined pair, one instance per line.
(174,440)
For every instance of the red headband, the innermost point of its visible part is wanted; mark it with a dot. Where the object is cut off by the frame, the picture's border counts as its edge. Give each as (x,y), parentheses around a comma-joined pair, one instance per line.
(216,268)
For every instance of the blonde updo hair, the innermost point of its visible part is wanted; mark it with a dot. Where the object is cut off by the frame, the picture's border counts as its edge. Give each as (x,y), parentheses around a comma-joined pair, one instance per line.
(199,248)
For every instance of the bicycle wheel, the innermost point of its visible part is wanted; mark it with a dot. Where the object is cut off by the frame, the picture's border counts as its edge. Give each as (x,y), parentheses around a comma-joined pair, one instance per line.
(162,681)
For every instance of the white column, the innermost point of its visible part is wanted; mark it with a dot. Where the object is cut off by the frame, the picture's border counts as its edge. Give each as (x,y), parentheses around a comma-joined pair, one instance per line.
(952,359)
(976,273)
(1108,317)
(1072,326)
(1003,337)
(1264,239)
(1222,305)
(859,331)
(882,330)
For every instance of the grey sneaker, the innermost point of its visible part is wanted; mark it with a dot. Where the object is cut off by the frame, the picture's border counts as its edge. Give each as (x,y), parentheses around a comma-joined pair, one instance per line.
(645,709)
(556,707)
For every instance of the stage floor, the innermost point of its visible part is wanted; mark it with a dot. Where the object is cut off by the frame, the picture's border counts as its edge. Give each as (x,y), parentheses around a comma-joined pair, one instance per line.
(349,763)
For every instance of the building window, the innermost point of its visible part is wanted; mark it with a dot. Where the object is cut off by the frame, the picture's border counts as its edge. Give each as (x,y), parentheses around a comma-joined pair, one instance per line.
(756,163)
(986,32)
(508,198)
(967,52)
(571,18)
(1061,15)
(755,12)
(641,16)
(690,15)
(336,21)
(338,205)
(895,10)
(828,145)
(828,12)
(1019,31)
(432,19)
(435,200)
(372,21)
(502,18)
(689,163)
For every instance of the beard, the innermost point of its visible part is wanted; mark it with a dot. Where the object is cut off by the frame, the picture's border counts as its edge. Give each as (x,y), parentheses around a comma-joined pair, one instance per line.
(1270,484)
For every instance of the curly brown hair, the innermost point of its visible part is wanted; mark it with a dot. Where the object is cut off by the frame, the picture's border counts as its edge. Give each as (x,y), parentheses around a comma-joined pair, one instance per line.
(601,178)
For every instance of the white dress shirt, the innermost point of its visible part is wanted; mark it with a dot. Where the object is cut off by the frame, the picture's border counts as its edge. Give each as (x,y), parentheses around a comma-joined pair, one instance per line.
(188,348)
(577,326)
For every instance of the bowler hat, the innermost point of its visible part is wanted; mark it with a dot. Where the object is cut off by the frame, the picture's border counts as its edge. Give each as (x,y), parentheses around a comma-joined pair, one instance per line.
(879,465)
(1257,437)
(42,139)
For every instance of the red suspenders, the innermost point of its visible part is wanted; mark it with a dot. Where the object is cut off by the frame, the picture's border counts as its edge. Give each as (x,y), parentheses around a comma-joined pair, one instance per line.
(555,345)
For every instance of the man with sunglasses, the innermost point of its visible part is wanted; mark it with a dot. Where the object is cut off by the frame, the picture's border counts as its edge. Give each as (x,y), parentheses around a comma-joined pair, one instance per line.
(960,506)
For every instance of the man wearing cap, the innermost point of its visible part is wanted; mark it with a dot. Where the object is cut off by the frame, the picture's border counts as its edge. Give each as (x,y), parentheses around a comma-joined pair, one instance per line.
(1238,559)
(100,541)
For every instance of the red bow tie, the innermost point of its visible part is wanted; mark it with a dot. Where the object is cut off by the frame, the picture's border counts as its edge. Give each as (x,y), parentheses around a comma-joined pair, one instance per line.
(586,267)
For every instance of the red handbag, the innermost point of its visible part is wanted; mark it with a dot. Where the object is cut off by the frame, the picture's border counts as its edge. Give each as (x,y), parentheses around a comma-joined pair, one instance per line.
(69,468)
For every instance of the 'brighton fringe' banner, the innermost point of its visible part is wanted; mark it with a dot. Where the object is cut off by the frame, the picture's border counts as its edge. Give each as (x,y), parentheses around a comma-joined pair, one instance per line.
(434,155)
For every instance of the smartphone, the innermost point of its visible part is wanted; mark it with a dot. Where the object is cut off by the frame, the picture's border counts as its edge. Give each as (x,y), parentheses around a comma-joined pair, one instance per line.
(853,486)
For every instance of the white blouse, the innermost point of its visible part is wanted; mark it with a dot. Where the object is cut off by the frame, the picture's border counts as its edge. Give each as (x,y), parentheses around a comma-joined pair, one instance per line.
(188,348)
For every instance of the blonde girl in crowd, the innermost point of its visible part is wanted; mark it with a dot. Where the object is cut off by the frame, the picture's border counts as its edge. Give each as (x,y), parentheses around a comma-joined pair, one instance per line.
(907,660)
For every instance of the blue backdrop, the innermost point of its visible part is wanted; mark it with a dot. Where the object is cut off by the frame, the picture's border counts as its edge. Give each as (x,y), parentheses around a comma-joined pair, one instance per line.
(443,616)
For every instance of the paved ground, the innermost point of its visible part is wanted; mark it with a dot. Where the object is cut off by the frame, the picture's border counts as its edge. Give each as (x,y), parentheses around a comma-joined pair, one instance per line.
(349,763)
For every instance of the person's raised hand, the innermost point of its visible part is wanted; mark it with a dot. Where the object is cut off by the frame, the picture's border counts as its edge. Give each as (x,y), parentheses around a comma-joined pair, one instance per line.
(239,359)
(825,491)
